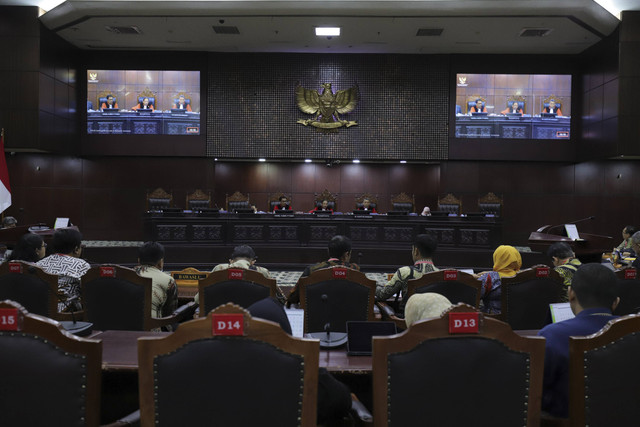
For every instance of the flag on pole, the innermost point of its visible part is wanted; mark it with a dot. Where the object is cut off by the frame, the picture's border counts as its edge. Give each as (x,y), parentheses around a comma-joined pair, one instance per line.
(5,188)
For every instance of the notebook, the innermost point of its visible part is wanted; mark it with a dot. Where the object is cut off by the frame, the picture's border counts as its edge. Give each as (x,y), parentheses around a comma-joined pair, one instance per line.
(359,335)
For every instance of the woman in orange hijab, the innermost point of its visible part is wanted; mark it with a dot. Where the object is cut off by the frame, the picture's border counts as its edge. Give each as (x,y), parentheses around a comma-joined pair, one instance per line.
(506,263)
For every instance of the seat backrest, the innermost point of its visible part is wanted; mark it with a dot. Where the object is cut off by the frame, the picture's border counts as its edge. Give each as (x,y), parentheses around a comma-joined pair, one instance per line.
(472,103)
(29,286)
(241,287)
(274,200)
(335,295)
(187,101)
(49,377)
(159,199)
(329,197)
(262,376)
(237,201)
(521,103)
(457,286)
(628,291)
(116,298)
(603,371)
(198,200)
(372,199)
(152,100)
(457,375)
(526,297)
(490,204)
(450,203)
(403,202)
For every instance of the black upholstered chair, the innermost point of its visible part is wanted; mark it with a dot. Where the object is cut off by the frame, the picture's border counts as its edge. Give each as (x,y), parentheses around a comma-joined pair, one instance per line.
(372,199)
(471,102)
(332,199)
(490,204)
(34,289)
(198,200)
(238,201)
(116,298)
(152,100)
(525,298)
(49,377)
(429,375)
(262,377)
(450,204)
(274,200)
(628,291)
(158,200)
(349,296)
(403,203)
(604,375)
(242,287)
(457,286)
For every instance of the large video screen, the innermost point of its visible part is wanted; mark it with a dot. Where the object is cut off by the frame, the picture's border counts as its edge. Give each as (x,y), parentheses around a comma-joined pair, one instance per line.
(513,106)
(139,102)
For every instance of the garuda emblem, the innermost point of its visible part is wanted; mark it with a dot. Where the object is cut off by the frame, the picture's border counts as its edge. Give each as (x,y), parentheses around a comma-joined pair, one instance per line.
(327,106)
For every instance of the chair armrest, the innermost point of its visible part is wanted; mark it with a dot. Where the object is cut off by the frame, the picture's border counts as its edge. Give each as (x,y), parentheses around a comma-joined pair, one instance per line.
(133,419)
(182,313)
(389,315)
(360,412)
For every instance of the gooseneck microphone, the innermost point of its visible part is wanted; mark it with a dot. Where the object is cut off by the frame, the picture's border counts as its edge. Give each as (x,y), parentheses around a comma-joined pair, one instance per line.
(589,218)
(327,326)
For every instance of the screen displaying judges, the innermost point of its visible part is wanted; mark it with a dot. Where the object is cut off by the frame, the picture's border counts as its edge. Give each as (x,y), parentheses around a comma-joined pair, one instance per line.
(143,102)
(516,106)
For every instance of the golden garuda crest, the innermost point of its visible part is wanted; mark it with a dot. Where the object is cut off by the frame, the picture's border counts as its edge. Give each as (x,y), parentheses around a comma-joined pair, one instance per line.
(327,106)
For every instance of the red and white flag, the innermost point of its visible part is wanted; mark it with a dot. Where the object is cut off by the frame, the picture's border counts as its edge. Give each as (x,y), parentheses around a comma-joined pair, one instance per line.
(5,188)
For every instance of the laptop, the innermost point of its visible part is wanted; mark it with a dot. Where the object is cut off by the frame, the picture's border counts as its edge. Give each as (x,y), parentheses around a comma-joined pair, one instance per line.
(360,333)
(398,213)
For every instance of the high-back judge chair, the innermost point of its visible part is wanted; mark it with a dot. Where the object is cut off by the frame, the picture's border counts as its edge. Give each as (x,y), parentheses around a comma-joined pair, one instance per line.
(158,200)
(450,204)
(372,199)
(628,291)
(238,201)
(520,100)
(525,298)
(490,204)
(234,285)
(256,375)
(457,286)
(198,200)
(34,289)
(430,374)
(334,296)
(604,375)
(49,377)
(471,102)
(558,101)
(274,200)
(403,203)
(116,298)
(332,199)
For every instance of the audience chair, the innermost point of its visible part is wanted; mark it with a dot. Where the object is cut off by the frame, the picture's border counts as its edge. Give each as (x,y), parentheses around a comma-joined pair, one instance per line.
(49,377)
(604,375)
(237,201)
(34,289)
(490,204)
(198,200)
(116,298)
(525,298)
(372,199)
(329,197)
(457,286)
(242,287)
(159,200)
(274,199)
(430,375)
(335,296)
(450,204)
(403,203)
(628,291)
(256,375)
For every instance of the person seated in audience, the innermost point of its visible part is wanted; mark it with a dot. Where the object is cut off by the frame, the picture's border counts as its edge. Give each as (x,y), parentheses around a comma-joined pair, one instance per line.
(425,306)
(339,256)
(564,262)
(182,105)
(110,103)
(164,296)
(9,222)
(593,296)
(144,106)
(426,211)
(552,108)
(324,207)
(422,252)
(334,397)
(366,206)
(625,246)
(507,261)
(30,248)
(635,246)
(65,262)
(515,109)
(283,205)
(478,108)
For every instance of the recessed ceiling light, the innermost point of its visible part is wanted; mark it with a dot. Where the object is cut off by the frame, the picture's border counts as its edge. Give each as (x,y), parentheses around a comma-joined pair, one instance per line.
(328,31)
(262,160)
(356,161)
(403,161)
(307,160)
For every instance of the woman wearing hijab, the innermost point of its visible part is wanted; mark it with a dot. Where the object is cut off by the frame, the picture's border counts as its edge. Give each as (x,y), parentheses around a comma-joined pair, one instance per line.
(506,263)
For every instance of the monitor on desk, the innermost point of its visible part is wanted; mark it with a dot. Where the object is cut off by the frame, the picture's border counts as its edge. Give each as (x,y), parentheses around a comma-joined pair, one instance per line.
(360,212)
(478,115)
(360,335)
(514,115)
(110,110)
(548,115)
(178,111)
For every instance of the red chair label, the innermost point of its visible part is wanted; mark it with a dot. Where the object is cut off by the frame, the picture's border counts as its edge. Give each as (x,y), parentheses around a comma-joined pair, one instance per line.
(543,271)
(15,267)
(9,319)
(339,273)
(630,274)
(464,323)
(235,274)
(451,275)
(228,324)
(107,272)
